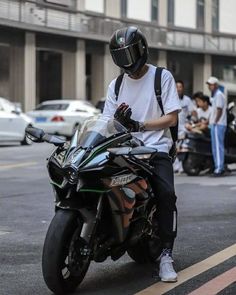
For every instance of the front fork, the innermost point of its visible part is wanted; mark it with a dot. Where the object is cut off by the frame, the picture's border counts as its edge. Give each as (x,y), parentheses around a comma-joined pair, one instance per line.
(90,218)
(91,222)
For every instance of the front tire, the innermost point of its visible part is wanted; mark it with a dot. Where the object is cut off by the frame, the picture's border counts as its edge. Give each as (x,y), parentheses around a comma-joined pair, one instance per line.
(63,265)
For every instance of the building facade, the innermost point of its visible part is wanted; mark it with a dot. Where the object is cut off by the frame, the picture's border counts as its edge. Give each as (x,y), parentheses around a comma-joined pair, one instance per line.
(52,49)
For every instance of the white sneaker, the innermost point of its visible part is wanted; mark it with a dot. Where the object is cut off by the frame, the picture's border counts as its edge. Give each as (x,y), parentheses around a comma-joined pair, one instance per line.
(167,272)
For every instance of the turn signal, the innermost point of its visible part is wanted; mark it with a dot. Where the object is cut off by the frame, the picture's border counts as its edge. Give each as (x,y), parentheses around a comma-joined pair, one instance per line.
(57,119)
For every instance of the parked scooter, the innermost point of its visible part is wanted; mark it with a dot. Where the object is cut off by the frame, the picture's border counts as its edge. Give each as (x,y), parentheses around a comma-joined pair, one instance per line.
(195,150)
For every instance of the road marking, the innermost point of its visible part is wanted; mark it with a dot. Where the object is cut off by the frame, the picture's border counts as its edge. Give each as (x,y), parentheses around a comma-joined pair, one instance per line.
(17,165)
(190,272)
(217,284)
(4,232)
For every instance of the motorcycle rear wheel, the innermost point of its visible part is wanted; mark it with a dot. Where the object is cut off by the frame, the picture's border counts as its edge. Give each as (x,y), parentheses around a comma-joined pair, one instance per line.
(192,164)
(148,249)
(60,273)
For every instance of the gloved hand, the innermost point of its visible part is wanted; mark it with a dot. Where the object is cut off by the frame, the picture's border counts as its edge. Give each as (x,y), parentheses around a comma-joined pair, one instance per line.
(123,115)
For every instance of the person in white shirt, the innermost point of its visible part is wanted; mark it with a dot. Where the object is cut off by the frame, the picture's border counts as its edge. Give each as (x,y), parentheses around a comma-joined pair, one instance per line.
(137,98)
(218,123)
(187,106)
(187,109)
(204,110)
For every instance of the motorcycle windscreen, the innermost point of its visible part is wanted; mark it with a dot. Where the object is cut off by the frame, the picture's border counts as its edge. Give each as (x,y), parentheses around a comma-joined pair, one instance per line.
(96,131)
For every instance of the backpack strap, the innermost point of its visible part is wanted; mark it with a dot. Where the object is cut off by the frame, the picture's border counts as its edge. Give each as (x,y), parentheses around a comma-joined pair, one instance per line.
(157,88)
(119,80)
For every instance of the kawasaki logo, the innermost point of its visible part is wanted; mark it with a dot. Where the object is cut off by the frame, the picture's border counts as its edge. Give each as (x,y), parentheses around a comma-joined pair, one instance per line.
(121,41)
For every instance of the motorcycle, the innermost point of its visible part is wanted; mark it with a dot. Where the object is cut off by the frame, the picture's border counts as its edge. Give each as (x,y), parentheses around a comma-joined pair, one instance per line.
(195,149)
(104,202)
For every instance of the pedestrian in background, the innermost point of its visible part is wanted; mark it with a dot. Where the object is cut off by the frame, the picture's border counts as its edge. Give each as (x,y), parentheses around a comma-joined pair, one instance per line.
(218,122)
(187,109)
(204,110)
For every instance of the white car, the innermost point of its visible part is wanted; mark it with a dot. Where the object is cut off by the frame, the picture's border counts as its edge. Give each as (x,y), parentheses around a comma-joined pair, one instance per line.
(62,117)
(13,123)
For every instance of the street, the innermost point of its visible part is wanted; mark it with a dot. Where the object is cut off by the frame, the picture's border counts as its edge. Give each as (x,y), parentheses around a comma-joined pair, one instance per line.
(206,226)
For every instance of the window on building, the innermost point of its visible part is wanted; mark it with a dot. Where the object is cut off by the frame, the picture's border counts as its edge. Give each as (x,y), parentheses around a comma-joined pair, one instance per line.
(171,12)
(200,14)
(215,15)
(123,8)
(154,11)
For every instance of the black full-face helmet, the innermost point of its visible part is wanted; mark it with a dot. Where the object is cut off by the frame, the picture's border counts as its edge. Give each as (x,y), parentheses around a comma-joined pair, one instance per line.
(129,49)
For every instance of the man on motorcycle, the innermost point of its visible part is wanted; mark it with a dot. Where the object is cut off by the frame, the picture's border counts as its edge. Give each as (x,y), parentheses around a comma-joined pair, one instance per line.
(129,50)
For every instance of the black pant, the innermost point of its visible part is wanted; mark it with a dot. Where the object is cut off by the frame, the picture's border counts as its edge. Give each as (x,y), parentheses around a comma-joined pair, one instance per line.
(163,187)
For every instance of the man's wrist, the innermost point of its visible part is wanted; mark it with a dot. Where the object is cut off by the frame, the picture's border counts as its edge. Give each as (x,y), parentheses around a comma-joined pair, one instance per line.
(142,127)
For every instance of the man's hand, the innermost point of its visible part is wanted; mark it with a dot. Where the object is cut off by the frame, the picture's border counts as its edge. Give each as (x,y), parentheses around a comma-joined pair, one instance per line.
(123,115)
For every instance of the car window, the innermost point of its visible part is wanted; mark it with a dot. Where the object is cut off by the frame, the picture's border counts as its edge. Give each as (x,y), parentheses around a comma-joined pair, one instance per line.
(52,107)
(88,103)
(75,107)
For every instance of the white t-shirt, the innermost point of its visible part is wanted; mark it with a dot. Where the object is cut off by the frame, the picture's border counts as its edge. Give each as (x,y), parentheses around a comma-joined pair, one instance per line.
(204,114)
(218,101)
(187,107)
(140,96)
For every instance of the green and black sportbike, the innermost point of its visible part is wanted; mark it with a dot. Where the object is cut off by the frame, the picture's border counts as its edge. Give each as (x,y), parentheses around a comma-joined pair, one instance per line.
(104,202)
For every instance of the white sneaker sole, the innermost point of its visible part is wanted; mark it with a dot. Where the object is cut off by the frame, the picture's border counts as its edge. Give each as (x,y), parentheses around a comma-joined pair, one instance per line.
(169,280)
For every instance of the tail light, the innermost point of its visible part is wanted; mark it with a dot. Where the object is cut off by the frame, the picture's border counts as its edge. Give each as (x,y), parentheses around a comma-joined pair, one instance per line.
(57,119)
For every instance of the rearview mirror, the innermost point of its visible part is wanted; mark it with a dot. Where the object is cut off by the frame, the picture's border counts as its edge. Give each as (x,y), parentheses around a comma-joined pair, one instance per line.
(142,150)
(128,151)
(38,135)
(57,141)
(35,134)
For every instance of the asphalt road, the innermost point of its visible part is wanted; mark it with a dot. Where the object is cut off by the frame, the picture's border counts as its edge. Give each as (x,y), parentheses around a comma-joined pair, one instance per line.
(207,225)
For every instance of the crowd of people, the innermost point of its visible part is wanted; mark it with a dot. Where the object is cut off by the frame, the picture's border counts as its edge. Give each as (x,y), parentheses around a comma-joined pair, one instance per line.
(205,115)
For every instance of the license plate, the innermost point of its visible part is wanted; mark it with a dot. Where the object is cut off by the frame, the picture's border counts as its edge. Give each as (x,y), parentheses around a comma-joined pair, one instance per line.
(40,119)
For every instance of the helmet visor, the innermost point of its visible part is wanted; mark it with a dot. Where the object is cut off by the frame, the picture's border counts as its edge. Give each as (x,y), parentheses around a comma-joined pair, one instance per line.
(127,55)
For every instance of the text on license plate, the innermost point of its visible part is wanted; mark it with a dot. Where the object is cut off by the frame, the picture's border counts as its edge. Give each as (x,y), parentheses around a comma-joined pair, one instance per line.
(40,119)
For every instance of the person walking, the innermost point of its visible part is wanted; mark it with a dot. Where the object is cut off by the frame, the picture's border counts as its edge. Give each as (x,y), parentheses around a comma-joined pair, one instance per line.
(150,122)
(218,123)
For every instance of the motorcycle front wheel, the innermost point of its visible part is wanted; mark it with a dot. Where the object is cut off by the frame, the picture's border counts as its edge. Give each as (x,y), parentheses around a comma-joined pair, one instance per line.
(64,260)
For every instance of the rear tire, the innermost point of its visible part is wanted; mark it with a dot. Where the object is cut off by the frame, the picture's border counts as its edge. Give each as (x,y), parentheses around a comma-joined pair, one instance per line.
(192,164)
(61,273)
(148,249)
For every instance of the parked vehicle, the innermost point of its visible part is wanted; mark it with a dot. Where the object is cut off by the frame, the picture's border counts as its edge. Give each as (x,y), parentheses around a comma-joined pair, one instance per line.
(13,123)
(104,202)
(195,149)
(62,117)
